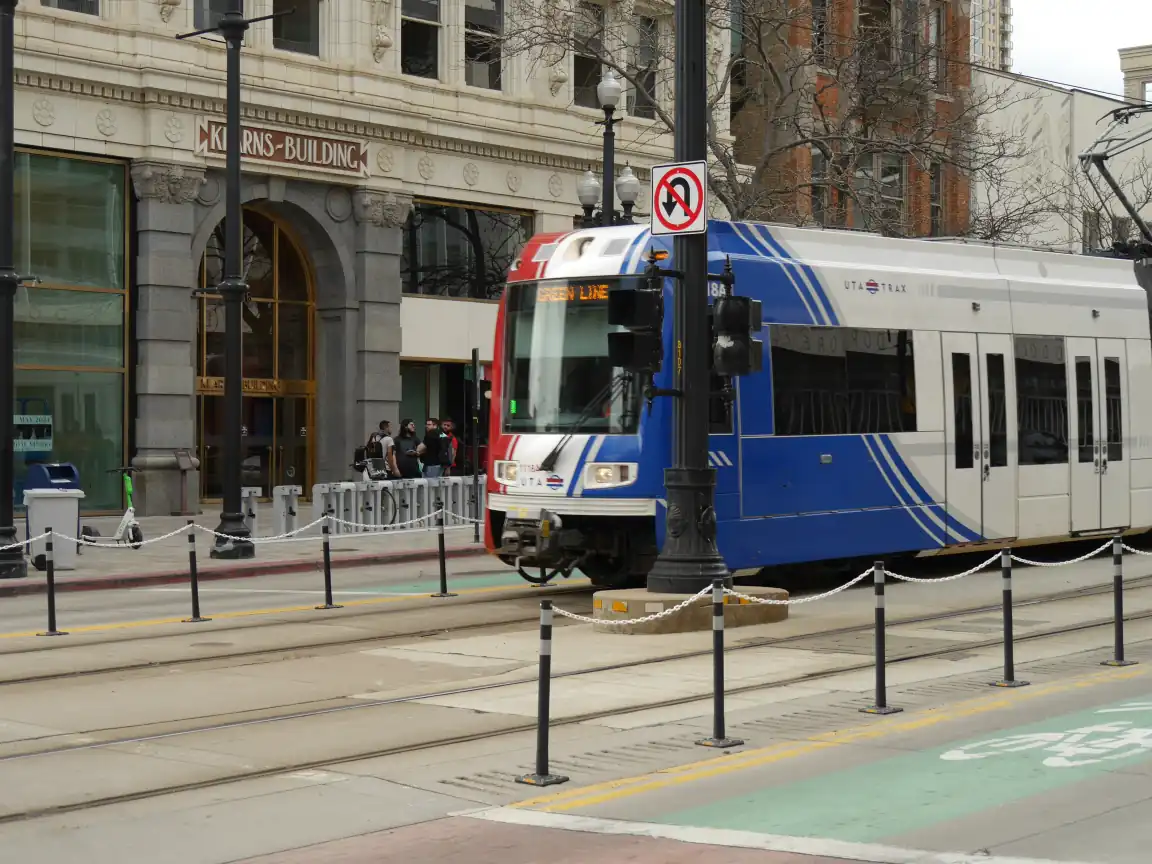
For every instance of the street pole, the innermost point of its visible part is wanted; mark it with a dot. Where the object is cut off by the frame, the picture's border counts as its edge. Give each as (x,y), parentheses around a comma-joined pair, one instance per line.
(12,563)
(608,208)
(234,291)
(689,560)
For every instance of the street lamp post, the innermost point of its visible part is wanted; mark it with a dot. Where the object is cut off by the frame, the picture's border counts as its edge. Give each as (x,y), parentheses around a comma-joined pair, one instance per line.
(627,186)
(12,563)
(232,537)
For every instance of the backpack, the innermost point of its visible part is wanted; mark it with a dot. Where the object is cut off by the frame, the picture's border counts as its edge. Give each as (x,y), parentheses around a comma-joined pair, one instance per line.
(447,452)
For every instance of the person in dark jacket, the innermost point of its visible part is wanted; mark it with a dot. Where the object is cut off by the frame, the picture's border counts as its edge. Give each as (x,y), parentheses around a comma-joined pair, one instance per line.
(434,448)
(405,448)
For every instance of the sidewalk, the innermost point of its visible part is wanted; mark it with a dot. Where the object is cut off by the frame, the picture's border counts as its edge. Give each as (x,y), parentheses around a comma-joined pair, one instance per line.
(165,562)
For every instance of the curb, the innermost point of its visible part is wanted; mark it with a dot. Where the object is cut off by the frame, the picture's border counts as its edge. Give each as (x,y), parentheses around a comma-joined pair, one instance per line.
(236,571)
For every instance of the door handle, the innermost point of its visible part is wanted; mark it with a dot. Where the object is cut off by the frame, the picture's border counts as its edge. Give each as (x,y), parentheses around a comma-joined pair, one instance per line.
(987,471)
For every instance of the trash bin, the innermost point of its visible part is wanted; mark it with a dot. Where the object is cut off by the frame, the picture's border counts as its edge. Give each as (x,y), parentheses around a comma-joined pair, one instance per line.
(52,495)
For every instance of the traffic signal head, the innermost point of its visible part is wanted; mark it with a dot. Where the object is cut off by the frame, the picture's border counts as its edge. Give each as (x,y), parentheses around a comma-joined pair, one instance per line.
(734,351)
(640,310)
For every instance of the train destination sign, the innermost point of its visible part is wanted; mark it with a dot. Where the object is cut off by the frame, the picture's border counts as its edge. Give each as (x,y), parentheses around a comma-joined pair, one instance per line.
(339,155)
(573,292)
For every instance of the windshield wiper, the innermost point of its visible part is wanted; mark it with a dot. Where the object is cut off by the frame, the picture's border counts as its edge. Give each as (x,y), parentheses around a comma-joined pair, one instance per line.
(608,391)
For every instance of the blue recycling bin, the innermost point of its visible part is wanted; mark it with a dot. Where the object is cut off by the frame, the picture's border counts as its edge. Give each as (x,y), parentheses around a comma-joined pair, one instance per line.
(51,476)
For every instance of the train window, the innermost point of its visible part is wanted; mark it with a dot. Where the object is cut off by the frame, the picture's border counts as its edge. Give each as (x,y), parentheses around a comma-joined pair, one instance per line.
(842,380)
(1114,397)
(1085,410)
(719,407)
(1041,400)
(997,411)
(963,428)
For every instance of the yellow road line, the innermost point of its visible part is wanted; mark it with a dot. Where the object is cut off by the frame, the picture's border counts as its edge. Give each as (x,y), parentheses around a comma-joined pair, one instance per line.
(599,793)
(374,601)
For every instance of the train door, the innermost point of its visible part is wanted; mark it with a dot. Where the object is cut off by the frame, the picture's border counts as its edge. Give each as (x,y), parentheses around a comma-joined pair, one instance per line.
(1100,469)
(980,483)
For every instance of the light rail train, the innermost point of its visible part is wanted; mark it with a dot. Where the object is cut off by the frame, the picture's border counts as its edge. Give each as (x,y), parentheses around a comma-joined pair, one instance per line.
(917,397)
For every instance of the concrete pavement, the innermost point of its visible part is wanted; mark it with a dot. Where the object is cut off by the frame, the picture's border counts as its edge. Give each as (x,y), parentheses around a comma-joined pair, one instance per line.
(166,562)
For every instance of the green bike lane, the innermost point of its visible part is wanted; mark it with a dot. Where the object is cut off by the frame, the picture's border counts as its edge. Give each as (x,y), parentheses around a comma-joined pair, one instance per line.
(1061,773)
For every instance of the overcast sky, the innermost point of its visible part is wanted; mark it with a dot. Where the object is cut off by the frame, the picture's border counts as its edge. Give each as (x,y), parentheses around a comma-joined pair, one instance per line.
(1075,41)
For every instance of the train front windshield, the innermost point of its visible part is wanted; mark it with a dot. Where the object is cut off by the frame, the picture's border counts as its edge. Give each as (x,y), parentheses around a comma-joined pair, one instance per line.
(557,367)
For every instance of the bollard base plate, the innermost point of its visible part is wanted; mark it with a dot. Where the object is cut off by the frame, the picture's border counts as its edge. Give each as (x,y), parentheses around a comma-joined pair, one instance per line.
(880,710)
(541,779)
(330,606)
(1009,684)
(53,633)
(196,620)
(1118,663)
(720,743)
(442,594)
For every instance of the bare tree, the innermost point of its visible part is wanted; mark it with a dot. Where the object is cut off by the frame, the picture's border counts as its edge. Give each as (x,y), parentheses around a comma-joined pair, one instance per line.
(806,118)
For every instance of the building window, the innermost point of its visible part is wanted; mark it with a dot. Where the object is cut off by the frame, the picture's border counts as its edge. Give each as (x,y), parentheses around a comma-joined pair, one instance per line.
(880,193)
(300,31)
(71,233)
(1041,400)
(842,380)
(645,60)
(937,46)
(875,30)
(207,13)
(1091,230)
(978,32)
(459,251)
(586,73)
(420,38)
(86,7)
(820,30)
(820,190)
(1148,92)
(483,24)
(936,201)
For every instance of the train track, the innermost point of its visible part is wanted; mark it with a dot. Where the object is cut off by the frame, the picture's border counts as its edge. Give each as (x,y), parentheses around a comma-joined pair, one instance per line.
(521,727)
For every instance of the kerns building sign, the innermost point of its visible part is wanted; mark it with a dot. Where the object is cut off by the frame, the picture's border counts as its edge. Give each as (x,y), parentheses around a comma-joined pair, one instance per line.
(338,155)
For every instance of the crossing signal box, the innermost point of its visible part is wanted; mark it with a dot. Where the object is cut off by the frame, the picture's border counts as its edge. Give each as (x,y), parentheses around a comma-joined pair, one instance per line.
(638,306)
(734,351)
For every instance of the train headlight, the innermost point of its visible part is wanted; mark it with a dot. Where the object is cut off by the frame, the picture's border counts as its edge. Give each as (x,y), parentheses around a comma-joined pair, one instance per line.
(508,473)
(606,475)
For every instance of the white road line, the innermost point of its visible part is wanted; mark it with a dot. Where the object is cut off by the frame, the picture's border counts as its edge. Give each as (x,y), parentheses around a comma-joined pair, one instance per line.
(317,593)
(868,852)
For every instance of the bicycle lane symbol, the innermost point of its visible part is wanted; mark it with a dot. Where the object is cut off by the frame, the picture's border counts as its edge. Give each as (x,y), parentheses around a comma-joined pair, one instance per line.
(1092,744)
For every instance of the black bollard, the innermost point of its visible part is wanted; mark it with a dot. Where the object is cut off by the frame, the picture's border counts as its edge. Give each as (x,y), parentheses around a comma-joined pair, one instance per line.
(328,604)
(1009,679)
(50,566)
(718,739)
(194,577)
(542,777)
(881,705)
(443,557)
(1118,603)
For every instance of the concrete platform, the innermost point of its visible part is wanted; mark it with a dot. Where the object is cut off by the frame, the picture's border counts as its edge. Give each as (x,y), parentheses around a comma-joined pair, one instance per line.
(623,605)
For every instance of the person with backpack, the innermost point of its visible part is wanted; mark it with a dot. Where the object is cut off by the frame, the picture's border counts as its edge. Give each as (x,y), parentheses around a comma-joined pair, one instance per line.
(405,450)
(436,449)
(449,428)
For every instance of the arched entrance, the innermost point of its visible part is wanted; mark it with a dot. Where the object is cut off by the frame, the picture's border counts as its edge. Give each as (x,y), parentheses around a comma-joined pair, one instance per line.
(279,377)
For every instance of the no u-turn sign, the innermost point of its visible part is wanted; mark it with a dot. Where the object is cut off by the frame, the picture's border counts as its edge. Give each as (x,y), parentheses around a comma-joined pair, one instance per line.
(680,198)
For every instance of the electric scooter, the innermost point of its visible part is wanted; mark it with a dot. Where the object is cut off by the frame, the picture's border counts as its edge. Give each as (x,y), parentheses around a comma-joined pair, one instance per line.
(129,529)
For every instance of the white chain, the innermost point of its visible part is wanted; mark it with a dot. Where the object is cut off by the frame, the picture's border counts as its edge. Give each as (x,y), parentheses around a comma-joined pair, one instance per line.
(379,529)
(795,601)
(84,541)
(975,569)
(1091,554)
(1136,551)
(620,623)
(23,543)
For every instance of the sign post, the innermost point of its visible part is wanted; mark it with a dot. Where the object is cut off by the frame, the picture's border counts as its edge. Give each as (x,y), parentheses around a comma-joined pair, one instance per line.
(689,559)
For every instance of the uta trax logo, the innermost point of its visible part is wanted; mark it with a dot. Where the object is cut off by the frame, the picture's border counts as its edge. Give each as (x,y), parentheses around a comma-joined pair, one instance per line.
(554,481)
(874,286)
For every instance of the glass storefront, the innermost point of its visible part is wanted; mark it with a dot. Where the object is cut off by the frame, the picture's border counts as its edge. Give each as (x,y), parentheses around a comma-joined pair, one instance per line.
(279,381)
(71,236)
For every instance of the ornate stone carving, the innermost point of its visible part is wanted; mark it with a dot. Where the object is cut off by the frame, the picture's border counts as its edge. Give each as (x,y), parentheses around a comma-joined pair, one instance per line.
(385,161)
(426,167)
(167,7)
(381,25)
(471,173)
(174,129)
(106,122)
(209,193)
(43,112)
(166,182)
(383,209)
(513,181)
(338,203)
(557,78)
(555,186)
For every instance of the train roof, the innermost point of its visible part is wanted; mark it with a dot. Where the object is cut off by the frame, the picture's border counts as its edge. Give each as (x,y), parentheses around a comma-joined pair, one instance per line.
(849,278)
